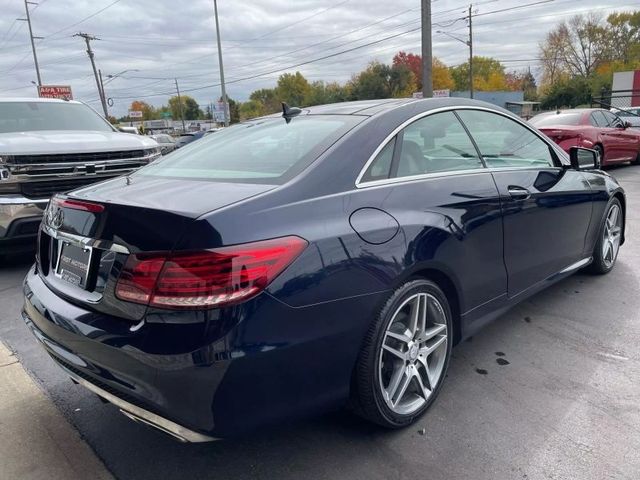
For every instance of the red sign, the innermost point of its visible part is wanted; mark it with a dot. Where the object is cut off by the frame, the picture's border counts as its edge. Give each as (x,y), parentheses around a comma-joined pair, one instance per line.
(55,91)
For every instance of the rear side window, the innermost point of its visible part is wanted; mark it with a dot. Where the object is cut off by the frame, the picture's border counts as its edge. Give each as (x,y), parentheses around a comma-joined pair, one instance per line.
(381,166)
(503,142)
(264,151)
(436,143)
(597,119)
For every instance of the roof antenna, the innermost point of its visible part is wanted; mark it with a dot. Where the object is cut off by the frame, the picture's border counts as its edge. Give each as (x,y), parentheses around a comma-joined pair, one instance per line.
(289,112)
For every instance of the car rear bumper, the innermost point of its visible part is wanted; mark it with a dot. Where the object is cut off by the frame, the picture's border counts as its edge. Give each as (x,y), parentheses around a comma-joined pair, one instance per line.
(272,361)
(19,221)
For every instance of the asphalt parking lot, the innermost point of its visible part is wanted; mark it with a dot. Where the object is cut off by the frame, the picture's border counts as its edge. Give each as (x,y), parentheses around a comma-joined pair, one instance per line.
(550,390)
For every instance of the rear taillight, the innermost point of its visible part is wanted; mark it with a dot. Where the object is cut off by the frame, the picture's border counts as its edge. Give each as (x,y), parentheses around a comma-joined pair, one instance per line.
(206,279)
(78,205)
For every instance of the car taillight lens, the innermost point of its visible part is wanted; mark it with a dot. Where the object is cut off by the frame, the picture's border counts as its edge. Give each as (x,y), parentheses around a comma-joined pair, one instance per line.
(78,205)
(206,279)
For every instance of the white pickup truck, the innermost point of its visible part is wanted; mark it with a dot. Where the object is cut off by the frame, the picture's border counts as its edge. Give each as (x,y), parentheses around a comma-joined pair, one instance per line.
(49,146)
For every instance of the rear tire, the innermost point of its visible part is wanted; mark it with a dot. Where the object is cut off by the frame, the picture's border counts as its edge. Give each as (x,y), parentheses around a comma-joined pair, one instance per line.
(637,160)
(405,356)
(606,250)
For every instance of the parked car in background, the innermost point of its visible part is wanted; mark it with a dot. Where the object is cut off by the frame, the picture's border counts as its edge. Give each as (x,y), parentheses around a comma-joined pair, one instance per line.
(49,146)
(166,142)
(594,128)
(289,265)
(630,114)
(188,137)
(127,129)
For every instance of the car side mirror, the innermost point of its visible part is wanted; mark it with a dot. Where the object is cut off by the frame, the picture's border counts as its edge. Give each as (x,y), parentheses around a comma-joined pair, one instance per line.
(584,158)
(626,124)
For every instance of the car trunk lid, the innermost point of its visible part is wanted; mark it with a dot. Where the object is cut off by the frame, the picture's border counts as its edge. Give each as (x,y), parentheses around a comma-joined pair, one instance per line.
(87,235)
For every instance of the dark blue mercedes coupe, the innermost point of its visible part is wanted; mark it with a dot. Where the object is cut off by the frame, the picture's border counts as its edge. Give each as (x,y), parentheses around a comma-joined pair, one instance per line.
(321,257)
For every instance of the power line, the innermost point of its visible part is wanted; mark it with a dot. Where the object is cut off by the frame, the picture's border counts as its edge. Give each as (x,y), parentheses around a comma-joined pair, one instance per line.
(98,12)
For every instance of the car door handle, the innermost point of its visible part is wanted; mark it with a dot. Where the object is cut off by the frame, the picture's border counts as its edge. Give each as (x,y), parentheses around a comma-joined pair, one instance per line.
(518,192)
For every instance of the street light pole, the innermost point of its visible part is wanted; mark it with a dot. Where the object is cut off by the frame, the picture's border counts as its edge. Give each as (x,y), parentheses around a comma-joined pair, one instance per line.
(468,43)
(224,91)
(427,51)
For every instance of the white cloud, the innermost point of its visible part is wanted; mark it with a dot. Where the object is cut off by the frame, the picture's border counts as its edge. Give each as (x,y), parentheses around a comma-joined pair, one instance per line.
(166,39)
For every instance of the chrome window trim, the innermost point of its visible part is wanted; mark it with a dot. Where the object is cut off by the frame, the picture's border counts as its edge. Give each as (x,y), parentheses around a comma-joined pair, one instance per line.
(403,125)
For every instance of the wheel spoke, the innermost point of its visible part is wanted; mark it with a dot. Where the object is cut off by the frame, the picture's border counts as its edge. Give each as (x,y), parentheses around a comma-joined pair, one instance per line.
(398,392)
(399,336)
(425,391)
(418,314)
(429,349)
(613,215)
(605,249)
(393,351)
(432,332)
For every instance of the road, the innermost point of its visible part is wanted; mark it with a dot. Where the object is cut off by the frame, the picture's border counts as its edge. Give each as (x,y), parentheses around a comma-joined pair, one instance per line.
(549,390)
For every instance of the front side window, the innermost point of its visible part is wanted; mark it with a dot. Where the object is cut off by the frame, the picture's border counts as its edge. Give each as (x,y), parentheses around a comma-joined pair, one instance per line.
(503,142)
(264,151)
(42,116)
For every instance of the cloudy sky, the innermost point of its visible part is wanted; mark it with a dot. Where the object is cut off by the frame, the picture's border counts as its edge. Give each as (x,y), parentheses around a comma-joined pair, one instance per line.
(153,41)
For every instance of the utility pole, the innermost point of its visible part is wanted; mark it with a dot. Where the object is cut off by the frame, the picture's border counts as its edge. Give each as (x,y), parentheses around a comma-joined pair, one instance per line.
(87,39)
(427,54)
(184,129)
(470,55)
(102,95)
(33,45)
(224,91)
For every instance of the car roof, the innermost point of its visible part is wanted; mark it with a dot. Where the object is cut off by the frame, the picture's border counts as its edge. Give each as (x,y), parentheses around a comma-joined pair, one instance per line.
(35,99)
(377,106)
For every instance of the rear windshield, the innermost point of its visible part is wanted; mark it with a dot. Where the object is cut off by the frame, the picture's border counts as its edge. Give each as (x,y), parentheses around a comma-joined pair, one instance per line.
(40,116)
(263,151)
(553,119)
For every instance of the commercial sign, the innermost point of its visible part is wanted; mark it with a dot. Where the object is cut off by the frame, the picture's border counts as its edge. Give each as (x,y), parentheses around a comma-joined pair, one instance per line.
(436,94)
(55,91)
(135,113)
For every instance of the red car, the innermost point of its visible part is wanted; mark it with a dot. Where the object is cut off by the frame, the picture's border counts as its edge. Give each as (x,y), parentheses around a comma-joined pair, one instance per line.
(592,128)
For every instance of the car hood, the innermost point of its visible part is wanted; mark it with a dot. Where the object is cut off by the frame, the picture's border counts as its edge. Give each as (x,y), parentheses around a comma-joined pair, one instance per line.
(65,141)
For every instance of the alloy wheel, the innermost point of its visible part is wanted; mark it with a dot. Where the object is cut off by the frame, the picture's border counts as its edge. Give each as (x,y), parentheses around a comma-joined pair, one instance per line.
(611,235)
(413,353)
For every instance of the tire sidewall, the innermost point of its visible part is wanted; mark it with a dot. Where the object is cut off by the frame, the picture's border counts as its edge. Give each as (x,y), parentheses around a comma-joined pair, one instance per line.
(384,319)
(598,260)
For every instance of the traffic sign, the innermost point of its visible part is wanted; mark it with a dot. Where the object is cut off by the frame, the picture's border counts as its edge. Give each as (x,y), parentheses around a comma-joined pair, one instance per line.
(135,113)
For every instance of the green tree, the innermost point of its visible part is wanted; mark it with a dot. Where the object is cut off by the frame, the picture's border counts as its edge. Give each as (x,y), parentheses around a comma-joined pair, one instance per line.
(567,93)
(322,93)
(190,108)
(268,98)
(623,35)
(293,89)
(251,109)
(234,110)
(382,81)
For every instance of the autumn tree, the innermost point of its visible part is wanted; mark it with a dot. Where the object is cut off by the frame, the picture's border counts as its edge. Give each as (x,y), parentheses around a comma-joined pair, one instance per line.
(574,48)
(440,75)
(148,111)
(623,35)
(268,98)
(488,74)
